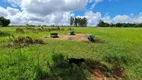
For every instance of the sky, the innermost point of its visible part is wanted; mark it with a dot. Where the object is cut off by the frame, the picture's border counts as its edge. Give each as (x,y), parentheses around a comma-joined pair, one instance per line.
(58,12)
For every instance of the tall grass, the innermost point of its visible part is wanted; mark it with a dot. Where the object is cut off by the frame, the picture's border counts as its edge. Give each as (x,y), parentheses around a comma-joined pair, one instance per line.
(122,46)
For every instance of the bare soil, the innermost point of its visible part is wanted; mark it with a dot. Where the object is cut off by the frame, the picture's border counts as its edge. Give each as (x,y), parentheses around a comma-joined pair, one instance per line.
(98,75)
(77,37)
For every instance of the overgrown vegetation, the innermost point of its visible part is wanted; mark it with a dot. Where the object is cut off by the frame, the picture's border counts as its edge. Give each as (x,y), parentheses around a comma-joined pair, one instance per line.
(119,57)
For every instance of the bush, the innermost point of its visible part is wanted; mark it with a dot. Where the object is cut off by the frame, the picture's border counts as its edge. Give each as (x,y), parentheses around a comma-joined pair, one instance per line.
(39,41)
(27,41)
(19,30)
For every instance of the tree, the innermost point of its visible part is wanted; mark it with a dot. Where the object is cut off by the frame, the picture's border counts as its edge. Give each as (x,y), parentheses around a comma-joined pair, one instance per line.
(104,24)
(101,23)
(71,20)
(0,23)
(119,25)
(84,22)
(4,22)
(79,21)
(112,25)
(75,22)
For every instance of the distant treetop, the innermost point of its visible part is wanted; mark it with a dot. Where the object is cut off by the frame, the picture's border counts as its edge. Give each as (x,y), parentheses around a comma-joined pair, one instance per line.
(4,22)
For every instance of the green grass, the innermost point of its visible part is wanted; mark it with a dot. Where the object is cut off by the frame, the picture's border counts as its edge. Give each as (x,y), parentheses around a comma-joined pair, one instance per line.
(122,45)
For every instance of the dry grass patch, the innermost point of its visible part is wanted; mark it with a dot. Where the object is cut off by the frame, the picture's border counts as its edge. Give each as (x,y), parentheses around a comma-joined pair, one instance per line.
(77,37)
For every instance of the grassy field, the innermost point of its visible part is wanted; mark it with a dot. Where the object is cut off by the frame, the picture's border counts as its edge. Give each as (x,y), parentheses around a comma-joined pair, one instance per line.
(122,48)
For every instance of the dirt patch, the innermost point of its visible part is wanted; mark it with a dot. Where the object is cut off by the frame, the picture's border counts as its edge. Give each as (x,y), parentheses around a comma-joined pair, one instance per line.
(101,72)
(98,75)
(77,37)
(98,70)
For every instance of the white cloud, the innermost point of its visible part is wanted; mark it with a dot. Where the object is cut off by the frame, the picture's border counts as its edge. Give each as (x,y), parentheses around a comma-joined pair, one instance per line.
(60,18)
(107,19)
(98,1)
(12,11)
(90,1)
(112,0)
(58,12)
(95,2)
(93,18)
(122,19)
(3,12)
(45,7)
(14,3)
(127,19)
(42,11)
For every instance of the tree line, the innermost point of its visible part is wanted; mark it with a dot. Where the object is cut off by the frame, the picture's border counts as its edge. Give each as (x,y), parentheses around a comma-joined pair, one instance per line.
(81,22)
(4,22)
(105,24)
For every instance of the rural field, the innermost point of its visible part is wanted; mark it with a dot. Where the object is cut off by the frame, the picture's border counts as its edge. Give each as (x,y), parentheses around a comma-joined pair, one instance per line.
(116,54)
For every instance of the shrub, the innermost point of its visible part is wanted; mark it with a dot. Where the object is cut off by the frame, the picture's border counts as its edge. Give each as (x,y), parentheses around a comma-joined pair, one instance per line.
(27,41)
(39,41)
(70,29)
(39,29)
(19,30)
(19,41)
